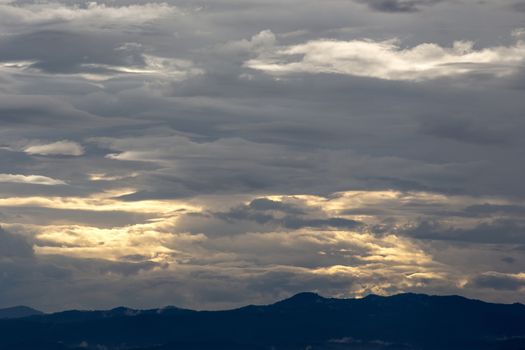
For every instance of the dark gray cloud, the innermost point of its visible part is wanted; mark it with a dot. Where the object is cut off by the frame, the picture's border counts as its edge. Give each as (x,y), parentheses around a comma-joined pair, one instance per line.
(483,210)
(463,131)
(68,52)
(260,211)
(499,281)
(262,204)
(12,246)
(398,5)
(497,231)
(508,260)
(519,6)
(41,111)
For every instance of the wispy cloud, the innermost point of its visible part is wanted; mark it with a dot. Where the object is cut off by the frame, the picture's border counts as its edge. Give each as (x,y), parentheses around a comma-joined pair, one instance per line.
(31,179)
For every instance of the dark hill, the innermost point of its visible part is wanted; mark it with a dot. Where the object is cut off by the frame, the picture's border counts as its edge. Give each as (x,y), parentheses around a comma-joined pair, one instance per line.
(305,321)
(18,311)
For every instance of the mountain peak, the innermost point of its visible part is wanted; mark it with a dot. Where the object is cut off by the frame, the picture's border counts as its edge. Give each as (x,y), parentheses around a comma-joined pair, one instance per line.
(18,312)
(302,298)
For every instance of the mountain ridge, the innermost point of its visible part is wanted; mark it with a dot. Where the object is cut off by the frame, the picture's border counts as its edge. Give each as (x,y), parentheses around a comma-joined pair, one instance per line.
(294,297)
(406,321)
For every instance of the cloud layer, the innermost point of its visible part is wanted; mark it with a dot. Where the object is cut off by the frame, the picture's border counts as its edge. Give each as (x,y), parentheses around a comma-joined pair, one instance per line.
(215,154)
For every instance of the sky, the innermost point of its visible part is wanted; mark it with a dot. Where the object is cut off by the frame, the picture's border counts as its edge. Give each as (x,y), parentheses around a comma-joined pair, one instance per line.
(213,154)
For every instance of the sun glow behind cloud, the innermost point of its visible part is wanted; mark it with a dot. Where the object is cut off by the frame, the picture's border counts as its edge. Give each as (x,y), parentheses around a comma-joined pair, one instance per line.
(182,234)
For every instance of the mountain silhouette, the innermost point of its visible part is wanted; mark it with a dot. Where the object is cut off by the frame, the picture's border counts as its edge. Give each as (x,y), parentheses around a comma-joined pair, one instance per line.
(304,321)
(18,312)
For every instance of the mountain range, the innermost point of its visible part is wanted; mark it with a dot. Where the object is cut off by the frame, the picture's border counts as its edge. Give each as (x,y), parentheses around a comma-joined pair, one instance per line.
(306,321)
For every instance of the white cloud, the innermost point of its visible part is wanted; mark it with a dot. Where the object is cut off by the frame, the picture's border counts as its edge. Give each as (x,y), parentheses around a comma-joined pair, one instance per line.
(92,14)
(388,60)
(64,147)
(258,43)
(30,179)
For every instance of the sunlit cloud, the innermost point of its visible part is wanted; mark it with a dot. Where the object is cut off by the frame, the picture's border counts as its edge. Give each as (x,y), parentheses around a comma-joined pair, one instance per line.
(194,236)
(16,65)
(31,179)
(105,201)
(337,254)
(154,67)
(389,60)
(64,147)
(149,240)
(106,177)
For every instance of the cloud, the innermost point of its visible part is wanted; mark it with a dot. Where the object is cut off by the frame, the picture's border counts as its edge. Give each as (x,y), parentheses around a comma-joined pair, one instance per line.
(17,110)
(14,245)
(268,204)
(260,42)
(31,179)
(185,250)
(262,211)
(195,163)
(500,281)
(90,14)
(398,5)
(64,147)
(103,40)
(153,254)
(388,60)
(24,271)
(94,58)
(486,209)
(510,231)
(519,6)
(463,131)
